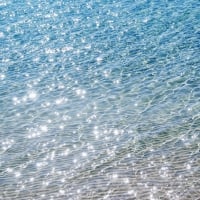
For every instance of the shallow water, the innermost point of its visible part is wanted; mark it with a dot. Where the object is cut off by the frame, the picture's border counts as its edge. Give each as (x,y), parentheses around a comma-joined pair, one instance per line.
(99,99)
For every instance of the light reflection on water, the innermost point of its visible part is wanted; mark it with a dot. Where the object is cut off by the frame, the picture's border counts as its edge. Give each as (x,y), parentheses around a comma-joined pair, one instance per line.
(99,100)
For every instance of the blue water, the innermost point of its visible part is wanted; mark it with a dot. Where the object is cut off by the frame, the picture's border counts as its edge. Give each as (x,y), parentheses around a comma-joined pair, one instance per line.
(100,99)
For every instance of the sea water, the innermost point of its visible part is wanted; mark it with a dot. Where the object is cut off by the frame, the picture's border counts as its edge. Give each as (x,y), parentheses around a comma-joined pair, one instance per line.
(99,99)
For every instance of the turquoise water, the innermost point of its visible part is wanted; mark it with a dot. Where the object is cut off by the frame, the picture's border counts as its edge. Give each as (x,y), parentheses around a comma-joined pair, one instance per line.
(99,99)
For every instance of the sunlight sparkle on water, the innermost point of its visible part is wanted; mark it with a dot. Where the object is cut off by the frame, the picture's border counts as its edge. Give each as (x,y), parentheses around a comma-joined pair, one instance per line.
(2,76)
(2,35)
(99,100)
(32,95)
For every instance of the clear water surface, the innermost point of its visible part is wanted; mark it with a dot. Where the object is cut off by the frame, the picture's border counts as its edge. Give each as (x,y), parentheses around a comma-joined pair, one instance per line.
(100,99)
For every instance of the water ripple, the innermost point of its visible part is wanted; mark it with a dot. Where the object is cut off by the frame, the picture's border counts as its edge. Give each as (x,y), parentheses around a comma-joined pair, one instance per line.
(99,100)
